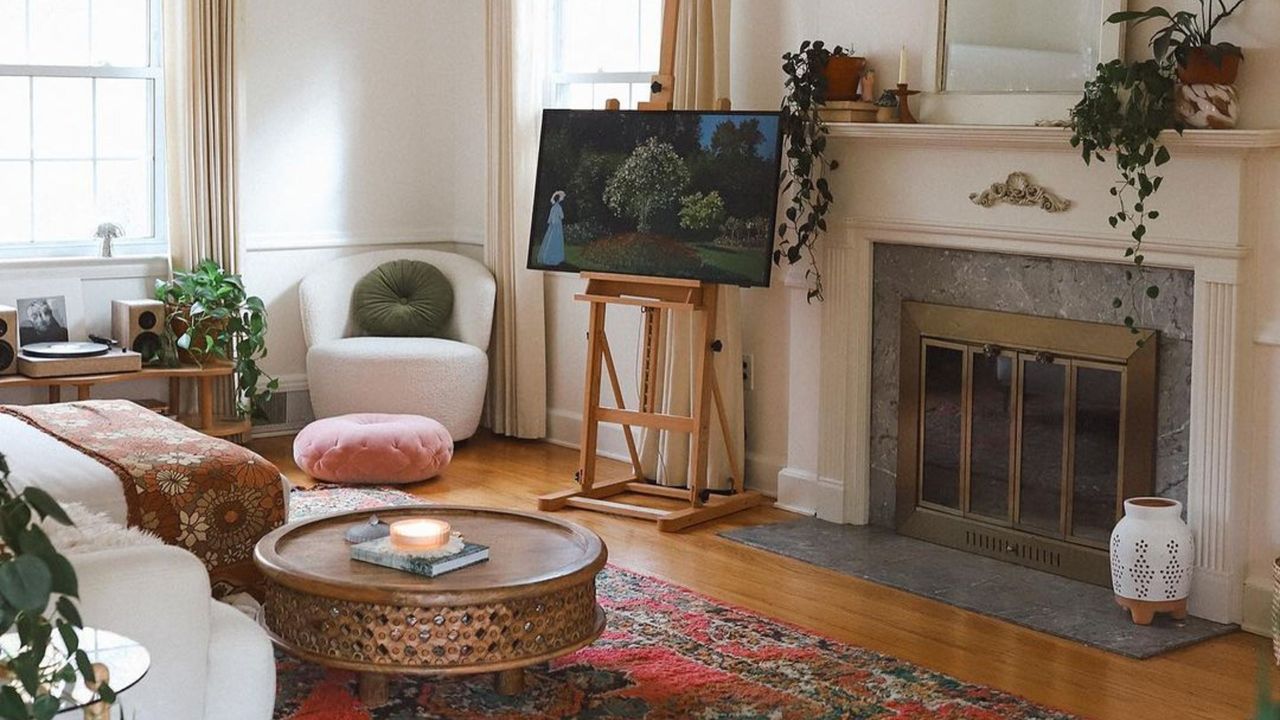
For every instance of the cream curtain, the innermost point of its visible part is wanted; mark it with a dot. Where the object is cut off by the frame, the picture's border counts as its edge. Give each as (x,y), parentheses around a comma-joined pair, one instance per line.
(516,32)
(702,77)
(200,157)
(200,113)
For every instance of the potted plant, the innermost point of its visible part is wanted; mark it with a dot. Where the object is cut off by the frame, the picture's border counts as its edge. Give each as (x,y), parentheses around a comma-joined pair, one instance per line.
(37,587)
(843,74)
(1123,112)
(808,195)
(212,317)
(1187,39)
(1207,70)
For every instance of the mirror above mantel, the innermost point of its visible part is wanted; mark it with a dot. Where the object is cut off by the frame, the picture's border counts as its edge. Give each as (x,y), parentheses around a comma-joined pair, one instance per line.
(1016,62)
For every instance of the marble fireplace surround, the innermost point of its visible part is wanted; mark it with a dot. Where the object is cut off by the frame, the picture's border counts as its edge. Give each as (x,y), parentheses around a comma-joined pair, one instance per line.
(910,185)
(1068,289)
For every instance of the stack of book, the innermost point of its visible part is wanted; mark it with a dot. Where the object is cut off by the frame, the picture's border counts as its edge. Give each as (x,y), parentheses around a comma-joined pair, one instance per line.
(428,563)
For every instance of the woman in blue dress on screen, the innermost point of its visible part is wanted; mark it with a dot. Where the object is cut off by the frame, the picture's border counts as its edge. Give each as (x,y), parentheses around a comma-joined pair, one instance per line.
(552,251)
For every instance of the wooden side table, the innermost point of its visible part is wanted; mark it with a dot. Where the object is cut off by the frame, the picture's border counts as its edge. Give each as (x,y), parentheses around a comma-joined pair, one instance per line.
(203,420)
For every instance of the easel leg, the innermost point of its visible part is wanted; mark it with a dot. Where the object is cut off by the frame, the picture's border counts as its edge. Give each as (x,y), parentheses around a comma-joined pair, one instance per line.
(738,479)
(617,400)
(701,399)
(591,398)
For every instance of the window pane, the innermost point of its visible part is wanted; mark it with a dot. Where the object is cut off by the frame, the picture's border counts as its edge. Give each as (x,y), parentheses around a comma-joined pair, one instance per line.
(15,118)
(650,35)
(606,91)
(124,195)
(617,36)
(64,200)
(60,32)
(640,92)
(578,96)
(122,118)
(13,32)
(15,202)
(120,33)
(63,117)
(580,37)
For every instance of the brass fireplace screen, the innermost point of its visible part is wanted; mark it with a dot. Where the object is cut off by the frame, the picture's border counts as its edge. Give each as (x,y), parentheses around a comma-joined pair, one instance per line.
(1020,437)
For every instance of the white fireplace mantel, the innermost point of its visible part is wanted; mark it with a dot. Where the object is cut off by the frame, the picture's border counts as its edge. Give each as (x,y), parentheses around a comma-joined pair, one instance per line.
(910,184)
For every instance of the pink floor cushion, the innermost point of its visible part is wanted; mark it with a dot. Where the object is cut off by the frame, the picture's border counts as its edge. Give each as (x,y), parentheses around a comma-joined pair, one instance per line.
(373,448)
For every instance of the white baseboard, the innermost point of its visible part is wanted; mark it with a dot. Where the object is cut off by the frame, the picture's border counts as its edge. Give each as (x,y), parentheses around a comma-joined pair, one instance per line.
(1256,615)
(1215,595)
(807,493)
(278,429)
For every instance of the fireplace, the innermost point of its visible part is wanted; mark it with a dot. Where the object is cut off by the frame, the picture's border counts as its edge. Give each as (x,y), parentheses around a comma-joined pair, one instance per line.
(1020,436)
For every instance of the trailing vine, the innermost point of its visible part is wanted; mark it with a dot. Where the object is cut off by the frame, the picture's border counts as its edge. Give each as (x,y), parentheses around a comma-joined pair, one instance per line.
(1123,112)
(809,196)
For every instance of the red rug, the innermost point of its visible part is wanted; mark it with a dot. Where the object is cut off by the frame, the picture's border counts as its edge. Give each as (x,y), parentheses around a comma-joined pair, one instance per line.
(667,652)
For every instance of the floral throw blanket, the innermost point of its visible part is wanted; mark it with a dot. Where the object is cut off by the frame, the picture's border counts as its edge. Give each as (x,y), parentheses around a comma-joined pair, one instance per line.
(206,495)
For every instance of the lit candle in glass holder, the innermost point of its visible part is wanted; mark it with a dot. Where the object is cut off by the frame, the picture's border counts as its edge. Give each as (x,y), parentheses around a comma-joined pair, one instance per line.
(419,534)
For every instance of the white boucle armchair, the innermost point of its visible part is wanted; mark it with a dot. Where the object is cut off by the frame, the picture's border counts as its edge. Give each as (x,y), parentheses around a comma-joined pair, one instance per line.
(442,378)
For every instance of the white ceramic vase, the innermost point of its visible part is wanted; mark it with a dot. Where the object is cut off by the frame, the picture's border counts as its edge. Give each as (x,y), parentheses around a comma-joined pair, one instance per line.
(1152,552)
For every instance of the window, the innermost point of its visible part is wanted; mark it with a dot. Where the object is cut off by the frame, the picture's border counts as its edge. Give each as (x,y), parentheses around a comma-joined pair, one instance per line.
(603,49)
(80,121)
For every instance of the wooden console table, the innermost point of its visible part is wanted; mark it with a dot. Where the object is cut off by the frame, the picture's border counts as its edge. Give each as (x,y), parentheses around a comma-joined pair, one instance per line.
(203,420)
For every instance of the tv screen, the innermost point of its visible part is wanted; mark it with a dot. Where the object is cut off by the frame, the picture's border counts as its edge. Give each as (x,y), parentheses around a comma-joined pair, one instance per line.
(668,194)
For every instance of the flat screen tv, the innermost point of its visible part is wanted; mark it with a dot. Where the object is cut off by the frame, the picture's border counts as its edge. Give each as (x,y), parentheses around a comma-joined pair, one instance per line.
(663,194)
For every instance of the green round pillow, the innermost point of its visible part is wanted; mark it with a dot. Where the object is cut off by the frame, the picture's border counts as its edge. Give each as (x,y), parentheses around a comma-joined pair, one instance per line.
(403,298)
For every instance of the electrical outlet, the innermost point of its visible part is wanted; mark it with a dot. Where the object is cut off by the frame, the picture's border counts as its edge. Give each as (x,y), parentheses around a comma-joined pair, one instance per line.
(749,371)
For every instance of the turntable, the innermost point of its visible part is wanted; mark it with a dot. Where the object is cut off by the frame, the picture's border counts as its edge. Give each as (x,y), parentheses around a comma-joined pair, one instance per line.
(75,358)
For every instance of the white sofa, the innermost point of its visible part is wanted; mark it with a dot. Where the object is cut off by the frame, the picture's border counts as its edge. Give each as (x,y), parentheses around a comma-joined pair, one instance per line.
(443,378)
(209,661)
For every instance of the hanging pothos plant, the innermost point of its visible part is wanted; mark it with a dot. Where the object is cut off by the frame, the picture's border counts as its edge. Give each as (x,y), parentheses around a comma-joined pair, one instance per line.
(808,195)
(1123,112)
(1126,107)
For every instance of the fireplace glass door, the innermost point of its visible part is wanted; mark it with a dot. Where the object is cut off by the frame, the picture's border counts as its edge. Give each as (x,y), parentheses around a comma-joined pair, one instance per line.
(1019,436)
(1021,439)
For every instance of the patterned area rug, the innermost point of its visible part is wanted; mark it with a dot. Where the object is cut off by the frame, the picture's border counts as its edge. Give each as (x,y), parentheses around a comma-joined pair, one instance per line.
(667,653)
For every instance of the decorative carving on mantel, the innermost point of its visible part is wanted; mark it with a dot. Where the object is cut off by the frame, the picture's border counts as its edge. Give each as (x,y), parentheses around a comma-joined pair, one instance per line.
(1018,189)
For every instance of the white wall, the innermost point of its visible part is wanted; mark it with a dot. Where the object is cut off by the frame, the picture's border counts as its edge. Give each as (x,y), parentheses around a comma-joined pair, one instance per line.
(362,127)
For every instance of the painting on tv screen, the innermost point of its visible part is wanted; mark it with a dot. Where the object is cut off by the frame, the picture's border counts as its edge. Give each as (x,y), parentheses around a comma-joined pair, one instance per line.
(668,194)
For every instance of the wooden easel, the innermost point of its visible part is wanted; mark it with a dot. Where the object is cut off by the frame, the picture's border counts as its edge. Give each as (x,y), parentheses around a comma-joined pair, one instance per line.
(657,297)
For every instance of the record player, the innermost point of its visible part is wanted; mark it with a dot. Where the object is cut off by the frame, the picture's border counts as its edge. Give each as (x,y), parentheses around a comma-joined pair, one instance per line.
(75,358)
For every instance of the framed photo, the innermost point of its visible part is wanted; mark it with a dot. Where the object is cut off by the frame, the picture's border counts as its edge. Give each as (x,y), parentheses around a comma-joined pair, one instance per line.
(42,320)
(49,309)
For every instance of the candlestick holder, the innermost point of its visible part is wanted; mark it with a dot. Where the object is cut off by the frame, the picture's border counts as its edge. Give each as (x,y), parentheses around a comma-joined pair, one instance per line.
(904,106)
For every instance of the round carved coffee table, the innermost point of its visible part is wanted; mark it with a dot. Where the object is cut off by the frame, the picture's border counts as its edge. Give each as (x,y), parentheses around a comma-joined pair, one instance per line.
(533,600)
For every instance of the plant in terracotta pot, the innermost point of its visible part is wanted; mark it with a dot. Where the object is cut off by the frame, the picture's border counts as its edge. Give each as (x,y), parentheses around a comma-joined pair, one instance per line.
(1207,69)
(38,614)
(843,73)
(808,195)
(212,317)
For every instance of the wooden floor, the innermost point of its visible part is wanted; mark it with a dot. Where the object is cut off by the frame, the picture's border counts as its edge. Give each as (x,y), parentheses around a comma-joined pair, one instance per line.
(1215,679)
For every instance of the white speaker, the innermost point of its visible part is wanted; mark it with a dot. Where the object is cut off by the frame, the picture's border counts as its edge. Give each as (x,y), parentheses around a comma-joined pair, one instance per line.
(137,325)
(8,340)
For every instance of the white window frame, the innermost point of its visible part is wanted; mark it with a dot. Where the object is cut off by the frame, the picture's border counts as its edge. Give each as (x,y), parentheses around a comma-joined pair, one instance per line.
(129,248)
(558,82)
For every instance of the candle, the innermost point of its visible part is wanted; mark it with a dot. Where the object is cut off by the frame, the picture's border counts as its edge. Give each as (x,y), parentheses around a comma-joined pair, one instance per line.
(902,66)
(419,534)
